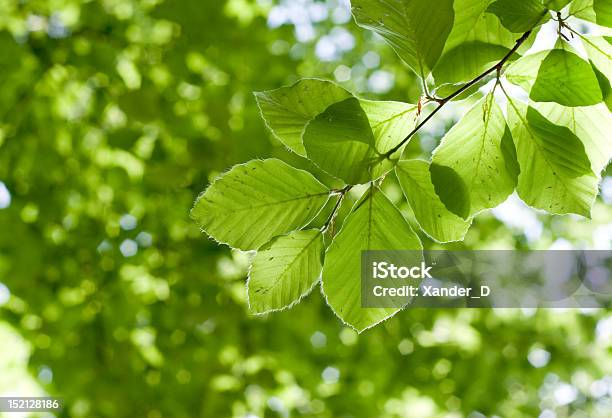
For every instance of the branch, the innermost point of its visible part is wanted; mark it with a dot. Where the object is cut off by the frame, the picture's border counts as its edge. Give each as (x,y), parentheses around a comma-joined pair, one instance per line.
(342,193)
(441,102)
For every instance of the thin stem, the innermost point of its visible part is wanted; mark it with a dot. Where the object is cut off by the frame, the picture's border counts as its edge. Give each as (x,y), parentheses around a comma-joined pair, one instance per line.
(342,193)
(441,102)
(581,36)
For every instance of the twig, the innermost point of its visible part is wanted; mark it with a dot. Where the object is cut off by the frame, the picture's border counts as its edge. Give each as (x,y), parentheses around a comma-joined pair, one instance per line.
(342,193)
(441,102)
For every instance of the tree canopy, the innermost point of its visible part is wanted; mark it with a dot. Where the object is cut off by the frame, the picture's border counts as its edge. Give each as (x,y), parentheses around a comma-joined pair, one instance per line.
(115,116)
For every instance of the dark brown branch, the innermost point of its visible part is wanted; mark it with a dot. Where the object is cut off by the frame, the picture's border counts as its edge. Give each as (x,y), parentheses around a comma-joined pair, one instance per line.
(441,102)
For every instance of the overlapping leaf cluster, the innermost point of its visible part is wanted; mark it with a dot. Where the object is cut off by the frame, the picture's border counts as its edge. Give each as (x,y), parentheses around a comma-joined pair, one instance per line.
(551,150)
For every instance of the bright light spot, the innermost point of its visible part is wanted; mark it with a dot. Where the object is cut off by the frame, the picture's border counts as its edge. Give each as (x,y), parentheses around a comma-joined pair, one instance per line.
(277,17)
(348,336)
(317,12)
(547,413)
(371,60)
(326,49)
(343,39)
(342,73)
(538,357)
(5,294)
(606,190)
(129,73)
(128,248)
(561,244)
(45,375)
(128,222)
(342,13)
(104,246)
(604,329)
(56,28)
(405,347)
(565,394)
(5,196)
(330,375)
(304,32)
(381,81)
(144,239)
(276,404)
(599,388)
(36,23)
(208,326)
(602,237)
(516,214)
(318,339)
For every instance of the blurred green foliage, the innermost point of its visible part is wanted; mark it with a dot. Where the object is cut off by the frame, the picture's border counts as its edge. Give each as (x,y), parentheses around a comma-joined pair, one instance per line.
(114,115)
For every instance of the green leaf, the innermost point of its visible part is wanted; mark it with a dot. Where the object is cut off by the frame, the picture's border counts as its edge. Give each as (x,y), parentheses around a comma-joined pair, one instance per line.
(451,189)
(256,201)
(470,20)
(390,122)
(287,110)
(555,172)
(596,11)
(479,150)
(374,224)
(603,12)
(590,124)
(467,60)
(558,75)
(285,270)
(599,51)
(340,141)
(519,16)
(583,9)
(524,71)
(604,85)
(567,79)
(556,5)
(416,30)
(431,214)
(478,40)
(473,23)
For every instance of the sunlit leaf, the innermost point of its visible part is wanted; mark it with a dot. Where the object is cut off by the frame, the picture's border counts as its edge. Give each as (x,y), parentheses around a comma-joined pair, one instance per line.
(390,122)
(590,124)
(374,224)
(596,11)
(556,173)
(603,11)
(599,51)
(287,110)
(567,79)
(467,61)
(341,142)
(431,214)
(558,75)
(556,4)
(285,270)
(256,201)
(478,40)
(416,30)
(519,16)
(479,150)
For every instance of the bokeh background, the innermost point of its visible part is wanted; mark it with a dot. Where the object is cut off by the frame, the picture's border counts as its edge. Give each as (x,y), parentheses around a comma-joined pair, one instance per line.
(115,115)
